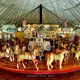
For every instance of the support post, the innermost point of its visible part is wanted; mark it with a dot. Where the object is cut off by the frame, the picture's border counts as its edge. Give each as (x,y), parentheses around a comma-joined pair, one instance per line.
(40,13)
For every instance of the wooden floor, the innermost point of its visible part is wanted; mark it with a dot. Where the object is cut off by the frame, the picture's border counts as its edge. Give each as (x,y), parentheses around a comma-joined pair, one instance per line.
(5,75)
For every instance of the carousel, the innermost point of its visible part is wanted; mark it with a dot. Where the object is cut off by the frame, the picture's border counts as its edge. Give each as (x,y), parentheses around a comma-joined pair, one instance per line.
(39,49)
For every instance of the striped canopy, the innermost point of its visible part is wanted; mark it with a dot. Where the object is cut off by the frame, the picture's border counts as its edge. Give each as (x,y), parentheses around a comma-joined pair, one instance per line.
(53,11)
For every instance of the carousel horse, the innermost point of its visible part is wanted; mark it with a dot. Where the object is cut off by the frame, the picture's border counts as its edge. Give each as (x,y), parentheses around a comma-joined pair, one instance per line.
(52,56)
(17,50)
(73,51)
(27,56)
(77,54)
(7,54)
(2,54)
(4,47)
(38,51)
(10,54)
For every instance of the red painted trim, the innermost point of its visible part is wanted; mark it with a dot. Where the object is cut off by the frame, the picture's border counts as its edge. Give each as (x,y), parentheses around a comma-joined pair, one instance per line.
(60,71)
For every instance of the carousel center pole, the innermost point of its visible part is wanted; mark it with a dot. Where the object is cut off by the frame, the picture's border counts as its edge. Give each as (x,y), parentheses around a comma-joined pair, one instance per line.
(40,7)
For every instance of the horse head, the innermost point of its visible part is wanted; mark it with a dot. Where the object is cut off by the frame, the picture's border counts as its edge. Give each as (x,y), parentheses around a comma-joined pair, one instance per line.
(23,49)
(66,54)
(17,49)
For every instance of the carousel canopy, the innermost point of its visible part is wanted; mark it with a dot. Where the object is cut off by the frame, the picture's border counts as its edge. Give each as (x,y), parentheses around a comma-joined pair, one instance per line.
(53,11)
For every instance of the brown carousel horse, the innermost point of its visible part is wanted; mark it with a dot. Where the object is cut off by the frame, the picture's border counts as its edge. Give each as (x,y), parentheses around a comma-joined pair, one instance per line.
(51,56)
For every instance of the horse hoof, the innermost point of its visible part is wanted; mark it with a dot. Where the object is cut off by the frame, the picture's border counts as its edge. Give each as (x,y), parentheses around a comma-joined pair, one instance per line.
(60,68)
(17,68)
(24,67)
(54,68)
(49,69)
(37,69)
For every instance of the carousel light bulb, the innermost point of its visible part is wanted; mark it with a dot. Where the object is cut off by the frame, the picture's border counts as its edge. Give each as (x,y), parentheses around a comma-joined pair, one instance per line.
(46,26)
(19,29)
(73,32)
(71,29)
(64,32)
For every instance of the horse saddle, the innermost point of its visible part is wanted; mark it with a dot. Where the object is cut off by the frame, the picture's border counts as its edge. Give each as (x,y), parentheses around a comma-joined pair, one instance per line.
(57,51)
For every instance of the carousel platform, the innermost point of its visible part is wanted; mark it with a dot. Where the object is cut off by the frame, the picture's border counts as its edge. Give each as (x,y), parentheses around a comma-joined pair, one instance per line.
(11,66)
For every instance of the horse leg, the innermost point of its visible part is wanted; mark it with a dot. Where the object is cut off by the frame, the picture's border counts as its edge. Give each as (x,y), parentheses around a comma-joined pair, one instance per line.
(36,63)
(73,58)
(51,65)
(78,59)
(60,64)
(48,65)
(65,61)
(18,65)
(23,65)
(36,66)
(65,58)
(40,58)
(18,62)
(11,59)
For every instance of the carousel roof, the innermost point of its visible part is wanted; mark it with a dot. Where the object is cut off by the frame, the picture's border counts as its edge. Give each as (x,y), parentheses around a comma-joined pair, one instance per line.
(53,11)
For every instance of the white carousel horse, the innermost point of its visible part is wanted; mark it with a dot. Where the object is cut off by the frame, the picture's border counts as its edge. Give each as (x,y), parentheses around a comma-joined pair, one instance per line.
(27,56)
(51,57)
(8,54)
